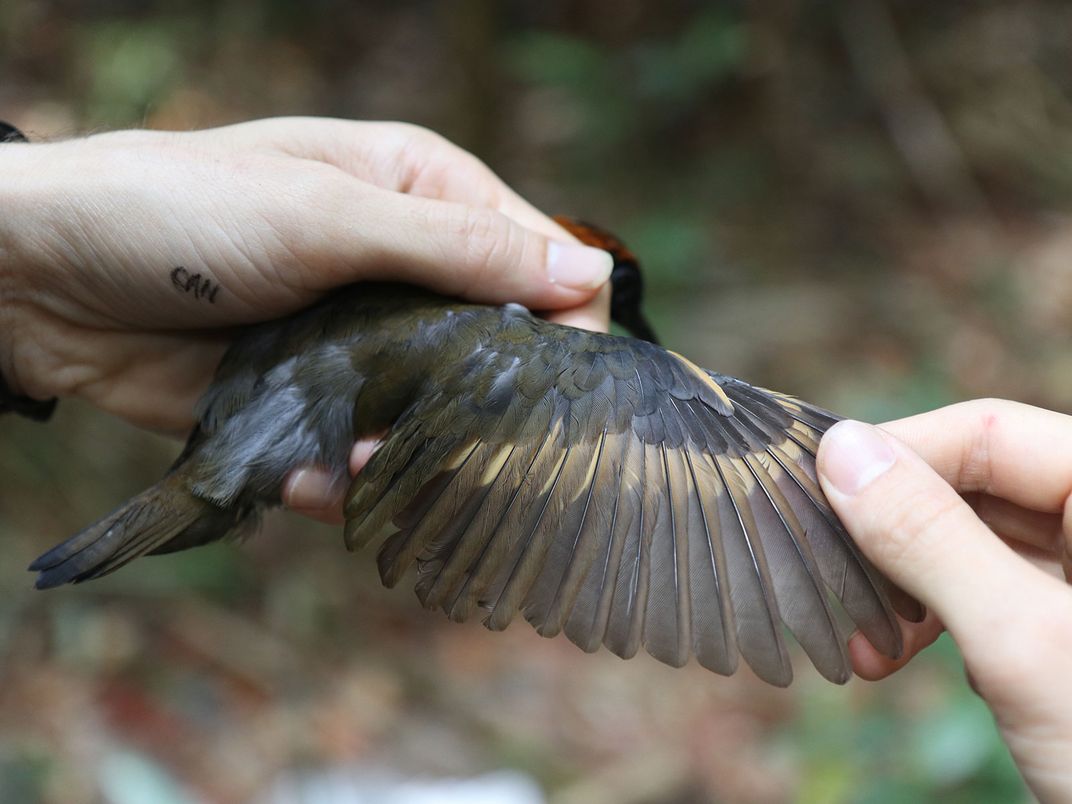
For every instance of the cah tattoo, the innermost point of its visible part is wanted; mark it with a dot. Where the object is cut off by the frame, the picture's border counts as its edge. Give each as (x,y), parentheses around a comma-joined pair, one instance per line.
(202,287)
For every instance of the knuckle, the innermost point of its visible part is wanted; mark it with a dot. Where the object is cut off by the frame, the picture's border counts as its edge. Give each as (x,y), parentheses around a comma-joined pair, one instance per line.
(459,235)
(483,237)
(976,462)
(419,144)
(433,166)
(430,145)
(417,134)
(417,148)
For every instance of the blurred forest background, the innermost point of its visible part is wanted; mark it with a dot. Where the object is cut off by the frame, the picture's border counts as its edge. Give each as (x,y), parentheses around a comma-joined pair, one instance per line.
(864,203)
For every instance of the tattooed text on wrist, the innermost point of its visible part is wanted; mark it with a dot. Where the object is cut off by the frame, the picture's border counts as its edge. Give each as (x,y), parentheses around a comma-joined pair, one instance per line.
(200,286)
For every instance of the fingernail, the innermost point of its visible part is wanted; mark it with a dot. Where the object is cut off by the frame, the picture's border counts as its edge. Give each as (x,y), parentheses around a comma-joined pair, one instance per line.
(578,267)
(309,489)
(854,456)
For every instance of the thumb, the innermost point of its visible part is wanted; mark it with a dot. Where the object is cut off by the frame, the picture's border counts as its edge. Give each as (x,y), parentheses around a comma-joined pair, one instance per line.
(474,252)
(919,531)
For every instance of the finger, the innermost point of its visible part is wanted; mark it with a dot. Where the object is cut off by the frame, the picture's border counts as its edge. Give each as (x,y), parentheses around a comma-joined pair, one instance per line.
(349,232)
(871,665)
(1043,560)
(441,217)
(593,316)
(927,539)
(417,161)
(363,450)
(430,166)
(1066,551)
(373,151)
(1005,449)
(315,493)
(1015,523)
(400,157)
(318,493)
(1035,536)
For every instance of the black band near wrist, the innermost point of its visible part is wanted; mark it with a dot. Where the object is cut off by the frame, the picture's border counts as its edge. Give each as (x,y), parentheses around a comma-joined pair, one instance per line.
(36,409)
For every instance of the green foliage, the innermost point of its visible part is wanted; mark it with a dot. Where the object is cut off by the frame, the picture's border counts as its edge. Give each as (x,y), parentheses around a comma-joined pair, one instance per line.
(130,65)
(619,96)
(710,49)
(945,746)
(23,771)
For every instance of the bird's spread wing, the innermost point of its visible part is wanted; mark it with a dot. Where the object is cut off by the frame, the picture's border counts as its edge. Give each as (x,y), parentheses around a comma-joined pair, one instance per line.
(615,491)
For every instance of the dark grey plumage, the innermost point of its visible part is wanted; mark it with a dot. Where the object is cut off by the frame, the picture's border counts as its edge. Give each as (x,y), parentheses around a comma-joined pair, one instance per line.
(600,486)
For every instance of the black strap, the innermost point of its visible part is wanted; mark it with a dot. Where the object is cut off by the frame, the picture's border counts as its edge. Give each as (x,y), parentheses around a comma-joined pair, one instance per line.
(36,409)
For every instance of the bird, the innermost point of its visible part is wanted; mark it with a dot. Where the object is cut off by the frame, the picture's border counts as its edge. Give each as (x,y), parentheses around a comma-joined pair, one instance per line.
(597,484)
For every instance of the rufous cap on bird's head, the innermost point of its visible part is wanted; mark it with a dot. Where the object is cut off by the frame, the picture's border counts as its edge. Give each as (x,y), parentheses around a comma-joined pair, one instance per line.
(626,279)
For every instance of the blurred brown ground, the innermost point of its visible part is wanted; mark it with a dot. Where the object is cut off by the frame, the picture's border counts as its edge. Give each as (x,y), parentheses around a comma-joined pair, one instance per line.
(863,203)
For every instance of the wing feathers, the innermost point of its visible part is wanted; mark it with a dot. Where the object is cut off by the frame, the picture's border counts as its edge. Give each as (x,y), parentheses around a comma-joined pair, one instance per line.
(446,560)
(667,630)
(588,622)
(846,572)
(759,636)
(530,553)
(437,500)
(489,534)
(714,625)
(629,593)
(564,573)
(629,499)
(798,585)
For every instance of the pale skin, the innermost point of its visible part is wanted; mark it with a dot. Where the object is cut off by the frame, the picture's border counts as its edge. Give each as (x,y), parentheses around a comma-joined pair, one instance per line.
(275,213)
(992,566)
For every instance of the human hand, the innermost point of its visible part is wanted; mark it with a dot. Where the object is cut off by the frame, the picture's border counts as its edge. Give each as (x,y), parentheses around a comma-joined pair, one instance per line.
(127,258)
(988,564)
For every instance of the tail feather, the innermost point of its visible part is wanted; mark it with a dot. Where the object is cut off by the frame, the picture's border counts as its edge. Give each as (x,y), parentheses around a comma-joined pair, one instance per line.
(139,526)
